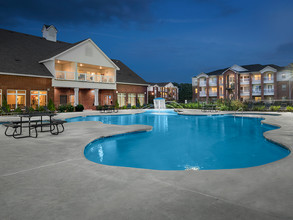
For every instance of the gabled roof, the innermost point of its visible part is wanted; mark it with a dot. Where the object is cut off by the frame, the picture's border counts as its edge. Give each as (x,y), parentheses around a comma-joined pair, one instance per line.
(20,53)
(126,75)
(161,84)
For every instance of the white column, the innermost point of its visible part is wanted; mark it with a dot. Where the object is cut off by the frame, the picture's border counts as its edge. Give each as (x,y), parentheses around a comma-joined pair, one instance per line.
(76,102)
(75,71)
(96,97)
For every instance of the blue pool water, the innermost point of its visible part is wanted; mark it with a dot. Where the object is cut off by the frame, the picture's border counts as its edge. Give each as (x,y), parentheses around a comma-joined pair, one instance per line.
(180,142)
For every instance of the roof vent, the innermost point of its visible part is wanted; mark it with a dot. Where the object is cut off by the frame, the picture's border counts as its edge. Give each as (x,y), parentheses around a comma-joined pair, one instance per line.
(49,32)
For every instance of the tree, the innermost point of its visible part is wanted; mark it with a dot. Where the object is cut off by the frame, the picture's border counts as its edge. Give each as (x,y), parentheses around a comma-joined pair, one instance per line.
(185,91)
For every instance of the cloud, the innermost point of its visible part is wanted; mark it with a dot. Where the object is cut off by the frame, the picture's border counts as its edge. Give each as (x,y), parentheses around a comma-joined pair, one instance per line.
(75,11)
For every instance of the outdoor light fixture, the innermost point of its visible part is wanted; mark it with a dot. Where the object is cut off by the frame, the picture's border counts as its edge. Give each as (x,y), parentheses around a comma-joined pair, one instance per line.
(80,64)
(58,61)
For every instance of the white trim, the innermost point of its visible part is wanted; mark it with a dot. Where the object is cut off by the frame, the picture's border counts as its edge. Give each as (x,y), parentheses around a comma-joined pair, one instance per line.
(235,71)
(71,48)
(1,97)
(202,74)
(133,84)
(25,75)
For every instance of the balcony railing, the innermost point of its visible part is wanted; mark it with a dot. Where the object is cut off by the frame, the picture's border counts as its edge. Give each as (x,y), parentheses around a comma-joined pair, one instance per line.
(256,92)
(256,81)
(244,93)
(244,81)
(202,83)
(268,80)
(220,82)
(202,94)
(268,91)
(213,82)
(83,77)
(212,93)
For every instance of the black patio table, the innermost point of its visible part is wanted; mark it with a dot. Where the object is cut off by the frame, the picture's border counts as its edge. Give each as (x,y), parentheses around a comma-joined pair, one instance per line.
(29,122)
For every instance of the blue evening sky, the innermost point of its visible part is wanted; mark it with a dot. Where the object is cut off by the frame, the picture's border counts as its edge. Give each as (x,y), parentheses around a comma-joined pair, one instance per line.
(166,40)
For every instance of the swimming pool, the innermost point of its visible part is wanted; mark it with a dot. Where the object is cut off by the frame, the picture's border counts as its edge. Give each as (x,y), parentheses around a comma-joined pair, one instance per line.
(179,142)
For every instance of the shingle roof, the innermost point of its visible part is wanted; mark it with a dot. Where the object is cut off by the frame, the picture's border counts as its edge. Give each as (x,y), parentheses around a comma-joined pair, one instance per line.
(20,53)
(126,75)
(250,68)
(161,84)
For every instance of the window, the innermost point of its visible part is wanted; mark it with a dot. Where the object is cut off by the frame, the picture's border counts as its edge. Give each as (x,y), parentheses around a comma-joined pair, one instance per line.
(141,98)
(63,99)
(132,99)
(257,77)
(284,87)
(121,99)
(38,98)
(71,99)
(0,97)
(195,90)
(257,98)
(283,76)
(16,98)
(269,76)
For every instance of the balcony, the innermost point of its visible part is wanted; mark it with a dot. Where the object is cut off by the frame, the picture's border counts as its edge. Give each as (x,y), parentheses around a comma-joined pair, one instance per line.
(202,94)
(256,81)
(220,82)
(202,83)
(212,94)
(268,80)
(84,77)
(256,92)
(244,81)
(213,82)
(244,93)
(268,91)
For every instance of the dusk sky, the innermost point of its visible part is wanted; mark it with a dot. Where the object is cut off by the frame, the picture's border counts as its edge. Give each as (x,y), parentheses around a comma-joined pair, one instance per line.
(166,40)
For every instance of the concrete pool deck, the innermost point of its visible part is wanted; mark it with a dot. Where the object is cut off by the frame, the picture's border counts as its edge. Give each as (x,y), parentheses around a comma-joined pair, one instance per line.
(49,178)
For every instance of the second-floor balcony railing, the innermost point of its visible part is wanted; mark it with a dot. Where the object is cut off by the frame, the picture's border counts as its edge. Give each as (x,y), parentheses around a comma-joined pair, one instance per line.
(244,93)
(244,81)
(213,82)
(256,92)
(256,81)
(268,91)
(83,77)
(268,80)
(212,93)
(202,83)
(202,93)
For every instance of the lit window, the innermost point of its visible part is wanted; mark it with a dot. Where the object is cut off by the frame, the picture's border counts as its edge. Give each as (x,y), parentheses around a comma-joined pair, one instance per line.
(140,98)
(257,77)
(71,99)
(121,99)
(38,98)
(257,98)
(132,99)
(16,98)
(196,90)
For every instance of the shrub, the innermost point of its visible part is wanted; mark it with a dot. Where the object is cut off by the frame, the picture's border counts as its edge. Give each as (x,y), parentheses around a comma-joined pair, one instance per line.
(236,105)
(258,108)
(289,108)
(133,107)
(62,108)
(31,109)
(79,108)
(99,107)
(124,107)
(18,110)
(69,108)
(116,104)
(275,108)
(5,106)
(51,106)
(40,108)
(224,108)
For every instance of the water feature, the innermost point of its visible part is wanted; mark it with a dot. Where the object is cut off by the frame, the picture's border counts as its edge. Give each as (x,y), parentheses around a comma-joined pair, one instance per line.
(159,103)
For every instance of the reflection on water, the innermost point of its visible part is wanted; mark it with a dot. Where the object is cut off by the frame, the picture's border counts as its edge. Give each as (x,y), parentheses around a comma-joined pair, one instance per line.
(185,143)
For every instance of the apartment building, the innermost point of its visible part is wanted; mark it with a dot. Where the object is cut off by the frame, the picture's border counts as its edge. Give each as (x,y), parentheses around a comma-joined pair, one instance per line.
(35,69)
(165,90)
(254,82)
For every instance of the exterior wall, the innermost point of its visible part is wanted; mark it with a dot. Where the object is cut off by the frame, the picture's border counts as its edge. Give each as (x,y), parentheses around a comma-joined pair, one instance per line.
(137,89)
(26,83)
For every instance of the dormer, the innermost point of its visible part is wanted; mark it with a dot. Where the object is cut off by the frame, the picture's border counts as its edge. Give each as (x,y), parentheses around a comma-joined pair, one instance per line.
(49,32)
